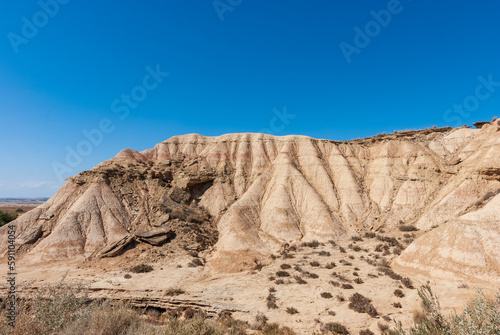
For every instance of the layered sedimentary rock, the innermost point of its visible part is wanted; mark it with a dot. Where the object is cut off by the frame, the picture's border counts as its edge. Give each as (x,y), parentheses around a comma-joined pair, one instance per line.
(243,196)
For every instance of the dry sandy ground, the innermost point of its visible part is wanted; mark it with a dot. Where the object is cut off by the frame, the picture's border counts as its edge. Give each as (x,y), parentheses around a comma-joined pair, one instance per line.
(245,293)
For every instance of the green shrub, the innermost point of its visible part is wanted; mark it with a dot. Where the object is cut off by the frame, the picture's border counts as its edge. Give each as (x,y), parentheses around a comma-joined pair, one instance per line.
(6,218)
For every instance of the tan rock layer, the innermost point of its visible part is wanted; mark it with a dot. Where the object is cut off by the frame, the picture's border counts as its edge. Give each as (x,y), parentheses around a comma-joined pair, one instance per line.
(252,193)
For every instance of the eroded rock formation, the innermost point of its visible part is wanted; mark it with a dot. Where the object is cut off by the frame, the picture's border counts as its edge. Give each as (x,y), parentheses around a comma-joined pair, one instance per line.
(243,196)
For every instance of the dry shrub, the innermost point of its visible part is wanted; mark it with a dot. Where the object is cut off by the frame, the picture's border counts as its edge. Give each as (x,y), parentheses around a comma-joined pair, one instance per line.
(326,295)
(282,274)
(108,320)
(330,265)
(347,286)
(398,293)
(366,332)
(362,304)
(291,310)
(141,268)
(408,227)
(271,301)
(407,282)
(314,263)
(260,321)
(384,327)
(299,280)
(335,283)
(312,244)
(174,291)
(275,329)
(285,266)
(335,328)
(195,262)
(358,281)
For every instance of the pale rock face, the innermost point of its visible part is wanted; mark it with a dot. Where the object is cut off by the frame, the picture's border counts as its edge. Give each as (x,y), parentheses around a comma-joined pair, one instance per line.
(258,192)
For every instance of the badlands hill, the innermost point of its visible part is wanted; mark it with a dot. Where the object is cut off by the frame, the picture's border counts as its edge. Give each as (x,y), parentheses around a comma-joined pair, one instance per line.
(241,197)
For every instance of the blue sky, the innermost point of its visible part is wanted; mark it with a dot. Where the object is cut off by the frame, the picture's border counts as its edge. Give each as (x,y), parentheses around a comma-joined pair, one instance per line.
(132,74)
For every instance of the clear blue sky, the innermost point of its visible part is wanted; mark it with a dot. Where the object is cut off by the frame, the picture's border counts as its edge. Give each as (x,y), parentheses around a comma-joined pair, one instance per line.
(231,67)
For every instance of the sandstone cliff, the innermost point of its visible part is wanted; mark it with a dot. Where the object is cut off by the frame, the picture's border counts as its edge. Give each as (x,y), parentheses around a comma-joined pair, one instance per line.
(241,197)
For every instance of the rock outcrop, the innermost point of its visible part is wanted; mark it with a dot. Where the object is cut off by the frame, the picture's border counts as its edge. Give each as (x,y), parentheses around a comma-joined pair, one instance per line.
(243,196)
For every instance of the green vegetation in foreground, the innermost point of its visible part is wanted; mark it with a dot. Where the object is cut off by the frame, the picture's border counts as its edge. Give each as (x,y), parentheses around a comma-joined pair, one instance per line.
(480,317)
(6,218)
(66,310)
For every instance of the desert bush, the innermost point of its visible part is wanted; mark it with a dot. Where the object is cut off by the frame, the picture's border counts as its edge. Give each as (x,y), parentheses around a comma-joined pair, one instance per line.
(272,290)
(282,274)
(340,297)
(49,310)
(358,281)
(258,266)
(370,235)
(398,293)
(335,283)
(107,320)
(324,253)
(314,263)
(366,332)
(463,285)
(285,266)
(312,244)
(354,247)
(271,301)
(356,238)
(397,305)
(342,250)
(279,281)
(260,321)
(275,329)
(299,280)
(141,268)
(174,291)
(335,328)
(326,295)
(397,250)
(388,272)
(311,275)
(332,313)
(355,274)
(347,286)
(408,227)
(330,265)
(407,282)
(383,327)
(195,262)
(391,241)
(362,304)
(291,310)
